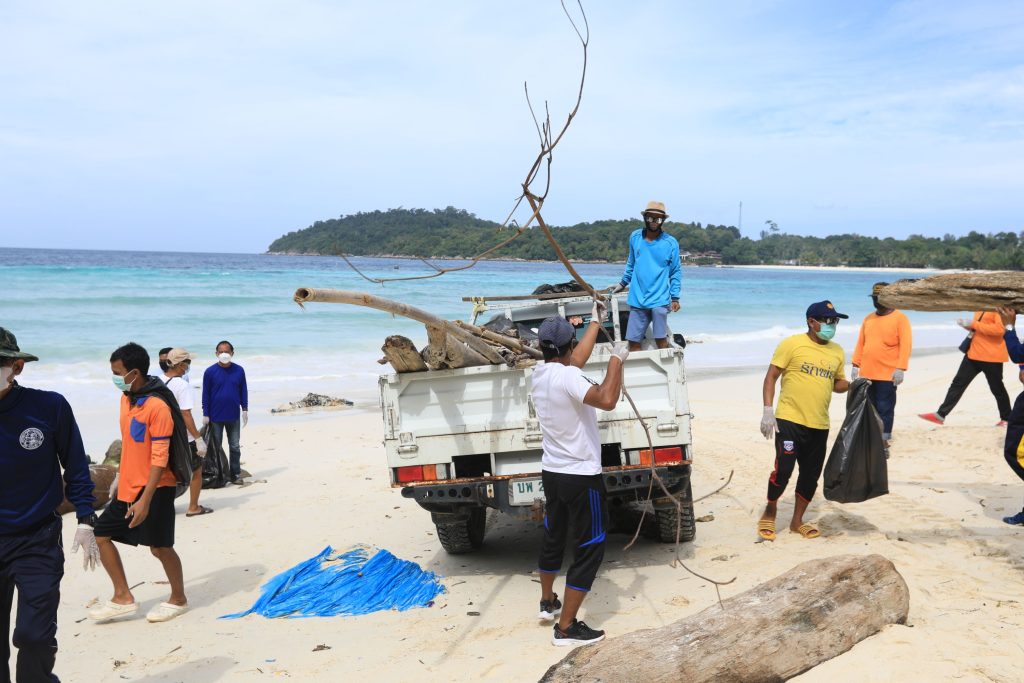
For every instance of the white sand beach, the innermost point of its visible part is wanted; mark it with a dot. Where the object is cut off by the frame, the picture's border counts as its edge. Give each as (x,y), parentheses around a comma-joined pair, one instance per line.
(326,483)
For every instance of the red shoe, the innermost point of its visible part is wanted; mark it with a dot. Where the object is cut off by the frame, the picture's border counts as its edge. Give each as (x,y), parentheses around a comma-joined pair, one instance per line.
(1001,423)
(933,417)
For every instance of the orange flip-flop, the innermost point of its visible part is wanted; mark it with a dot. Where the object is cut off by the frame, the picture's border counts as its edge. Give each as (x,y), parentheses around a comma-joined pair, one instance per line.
(808,531)
(766,529)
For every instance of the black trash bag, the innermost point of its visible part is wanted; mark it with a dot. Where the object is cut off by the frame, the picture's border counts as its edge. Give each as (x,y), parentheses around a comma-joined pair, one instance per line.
(216,469)
(560,288)
(856,469)
(179,459)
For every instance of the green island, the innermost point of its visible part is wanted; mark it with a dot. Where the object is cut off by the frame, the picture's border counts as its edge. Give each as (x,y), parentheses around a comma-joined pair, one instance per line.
(455,233)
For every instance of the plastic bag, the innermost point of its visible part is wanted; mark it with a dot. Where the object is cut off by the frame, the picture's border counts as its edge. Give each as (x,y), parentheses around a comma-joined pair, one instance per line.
(856,469)
(216,470)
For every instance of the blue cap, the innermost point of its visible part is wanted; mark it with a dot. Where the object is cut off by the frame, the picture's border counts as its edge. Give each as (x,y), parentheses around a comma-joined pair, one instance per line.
(824,309)
(555,331)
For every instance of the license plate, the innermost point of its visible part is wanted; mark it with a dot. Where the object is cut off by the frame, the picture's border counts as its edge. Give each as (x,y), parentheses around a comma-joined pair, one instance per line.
(525,491)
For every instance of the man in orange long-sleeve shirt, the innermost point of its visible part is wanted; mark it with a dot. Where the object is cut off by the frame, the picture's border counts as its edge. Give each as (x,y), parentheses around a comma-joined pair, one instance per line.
(882,355)
(987,354)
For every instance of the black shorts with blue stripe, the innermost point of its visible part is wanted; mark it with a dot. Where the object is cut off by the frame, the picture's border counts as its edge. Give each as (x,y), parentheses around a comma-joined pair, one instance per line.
(576,507)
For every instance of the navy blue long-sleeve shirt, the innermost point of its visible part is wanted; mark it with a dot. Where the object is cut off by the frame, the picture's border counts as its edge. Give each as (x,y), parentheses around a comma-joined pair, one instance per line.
(1014,346)
(38,438)
(224,390)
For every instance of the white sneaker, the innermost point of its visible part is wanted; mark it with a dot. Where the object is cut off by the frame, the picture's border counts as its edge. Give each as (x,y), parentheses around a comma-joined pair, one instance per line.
(165,611)
(112,610)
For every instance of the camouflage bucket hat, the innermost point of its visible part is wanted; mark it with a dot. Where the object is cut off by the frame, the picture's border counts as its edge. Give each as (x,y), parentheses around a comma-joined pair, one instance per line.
(9,346)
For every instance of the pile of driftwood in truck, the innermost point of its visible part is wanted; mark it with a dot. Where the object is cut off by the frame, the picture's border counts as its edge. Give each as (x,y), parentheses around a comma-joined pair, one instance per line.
(449,344)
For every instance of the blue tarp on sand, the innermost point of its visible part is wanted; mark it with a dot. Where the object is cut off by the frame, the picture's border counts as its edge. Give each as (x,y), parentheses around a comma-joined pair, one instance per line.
(348,584)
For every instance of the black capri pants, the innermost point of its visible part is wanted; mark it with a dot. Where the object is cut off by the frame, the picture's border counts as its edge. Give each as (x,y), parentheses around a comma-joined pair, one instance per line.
(578,504)
(796,444)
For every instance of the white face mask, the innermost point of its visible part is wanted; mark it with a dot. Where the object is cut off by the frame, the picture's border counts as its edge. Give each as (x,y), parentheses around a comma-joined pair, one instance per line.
(224,357)
(5,377)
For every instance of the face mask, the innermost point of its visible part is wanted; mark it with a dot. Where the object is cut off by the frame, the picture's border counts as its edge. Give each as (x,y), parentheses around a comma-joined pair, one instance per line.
(120,382)
(826,332)
(224,357)
(185,376)
(5,377)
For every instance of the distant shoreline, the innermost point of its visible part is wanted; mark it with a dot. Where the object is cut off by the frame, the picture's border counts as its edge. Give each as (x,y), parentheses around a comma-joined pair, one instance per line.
(848,269)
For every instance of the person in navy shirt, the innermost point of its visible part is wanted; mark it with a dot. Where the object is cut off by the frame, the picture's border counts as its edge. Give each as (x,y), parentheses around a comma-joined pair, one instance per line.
(38,438)
(224,393)
(1013,447)
(654,277)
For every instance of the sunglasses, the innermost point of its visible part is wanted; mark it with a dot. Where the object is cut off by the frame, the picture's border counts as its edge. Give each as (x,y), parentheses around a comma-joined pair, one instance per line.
(828,321)
(654,220)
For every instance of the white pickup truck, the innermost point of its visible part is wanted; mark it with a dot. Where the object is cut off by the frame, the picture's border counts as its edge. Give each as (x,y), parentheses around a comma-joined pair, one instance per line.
(461,441)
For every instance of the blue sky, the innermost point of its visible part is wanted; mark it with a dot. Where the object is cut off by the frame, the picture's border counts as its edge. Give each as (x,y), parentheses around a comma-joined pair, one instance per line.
(218,126)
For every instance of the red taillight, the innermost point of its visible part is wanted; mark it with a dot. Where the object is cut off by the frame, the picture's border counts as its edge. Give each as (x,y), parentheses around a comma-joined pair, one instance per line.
(405,475)
(662,456)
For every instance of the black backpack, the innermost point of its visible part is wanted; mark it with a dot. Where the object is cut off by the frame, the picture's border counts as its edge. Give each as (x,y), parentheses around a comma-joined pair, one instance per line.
(179,460)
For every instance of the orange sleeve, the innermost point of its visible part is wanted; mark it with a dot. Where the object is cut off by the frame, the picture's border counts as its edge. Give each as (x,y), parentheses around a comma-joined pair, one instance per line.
(906,343)
(858,350)
(992,326)
(161,427)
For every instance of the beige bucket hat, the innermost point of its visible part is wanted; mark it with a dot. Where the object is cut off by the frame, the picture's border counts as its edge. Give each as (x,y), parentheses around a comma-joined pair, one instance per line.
(655,207)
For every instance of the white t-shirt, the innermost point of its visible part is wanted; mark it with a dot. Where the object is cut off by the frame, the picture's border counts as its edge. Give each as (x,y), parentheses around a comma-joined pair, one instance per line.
(182,391)
(569,426)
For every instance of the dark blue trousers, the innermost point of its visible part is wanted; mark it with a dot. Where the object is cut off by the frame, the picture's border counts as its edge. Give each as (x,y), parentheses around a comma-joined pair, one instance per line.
(32,562)
(1014,437)
(883,396)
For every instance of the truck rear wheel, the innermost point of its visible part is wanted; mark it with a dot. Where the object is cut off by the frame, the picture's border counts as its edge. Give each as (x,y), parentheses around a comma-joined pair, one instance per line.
(461,534)
(687,522)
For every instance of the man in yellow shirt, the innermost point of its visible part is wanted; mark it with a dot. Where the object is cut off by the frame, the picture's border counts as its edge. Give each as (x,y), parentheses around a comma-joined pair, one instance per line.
(882,355)
(811,367)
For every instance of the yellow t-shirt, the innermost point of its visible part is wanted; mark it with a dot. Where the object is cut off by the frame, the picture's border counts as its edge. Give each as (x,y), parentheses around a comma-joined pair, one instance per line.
(809,371)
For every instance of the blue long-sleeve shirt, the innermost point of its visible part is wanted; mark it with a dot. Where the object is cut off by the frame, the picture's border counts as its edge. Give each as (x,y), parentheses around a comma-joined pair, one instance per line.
(1014,346)
(224,390)
(38,438)
(652,271)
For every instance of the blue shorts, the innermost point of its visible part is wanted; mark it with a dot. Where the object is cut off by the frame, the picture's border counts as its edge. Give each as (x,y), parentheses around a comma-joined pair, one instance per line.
(640,318)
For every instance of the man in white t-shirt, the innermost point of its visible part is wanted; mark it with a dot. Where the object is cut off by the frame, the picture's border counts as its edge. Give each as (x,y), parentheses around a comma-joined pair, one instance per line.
(575,499)
(176,378)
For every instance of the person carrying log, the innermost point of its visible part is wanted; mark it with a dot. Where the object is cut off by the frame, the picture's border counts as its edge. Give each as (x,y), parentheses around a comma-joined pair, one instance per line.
(654,277)
(1013,446)
(985,355)
(882,355)
(575,498)
(811,367)
(39,438)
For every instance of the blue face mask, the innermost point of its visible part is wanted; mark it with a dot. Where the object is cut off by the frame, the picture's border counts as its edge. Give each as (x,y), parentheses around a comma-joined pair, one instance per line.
(826,332)
(120,383)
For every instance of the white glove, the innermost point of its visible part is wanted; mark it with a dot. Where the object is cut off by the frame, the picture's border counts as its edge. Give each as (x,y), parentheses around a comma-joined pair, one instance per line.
(617,287)
(621,351)
(599,312)
(897,377)
(85,538)
(201,448)
(245,417)
(966,324)
(768,424)
(854,373)
(206,420)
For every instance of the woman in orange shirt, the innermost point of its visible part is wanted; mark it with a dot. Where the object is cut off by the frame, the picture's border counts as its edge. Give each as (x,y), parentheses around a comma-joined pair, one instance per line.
(986,354)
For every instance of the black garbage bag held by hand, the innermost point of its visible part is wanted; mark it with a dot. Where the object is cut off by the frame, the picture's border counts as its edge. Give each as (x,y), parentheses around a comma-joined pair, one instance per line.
(216,471)
(856,469)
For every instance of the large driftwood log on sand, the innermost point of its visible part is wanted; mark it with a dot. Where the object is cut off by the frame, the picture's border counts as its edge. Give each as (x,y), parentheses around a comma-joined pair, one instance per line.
(957,292)
(339,296)
(772,632)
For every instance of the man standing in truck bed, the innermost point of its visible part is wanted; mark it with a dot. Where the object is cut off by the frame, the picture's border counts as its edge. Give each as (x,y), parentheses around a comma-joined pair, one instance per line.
(565,401)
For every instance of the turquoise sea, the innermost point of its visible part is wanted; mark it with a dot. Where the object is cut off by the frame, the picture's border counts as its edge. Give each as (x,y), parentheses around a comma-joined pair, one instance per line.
(72,308)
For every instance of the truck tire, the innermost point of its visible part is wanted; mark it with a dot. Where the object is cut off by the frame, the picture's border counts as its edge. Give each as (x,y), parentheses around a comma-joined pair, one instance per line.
(462,535)
(667,519)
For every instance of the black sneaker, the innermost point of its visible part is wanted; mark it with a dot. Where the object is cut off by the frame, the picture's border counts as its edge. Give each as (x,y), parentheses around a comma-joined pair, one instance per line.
(549,609)
(237,481)
(578,633)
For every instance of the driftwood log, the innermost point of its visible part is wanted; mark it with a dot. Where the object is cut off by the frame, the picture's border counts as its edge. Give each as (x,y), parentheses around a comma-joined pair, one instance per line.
(339,296)
(402,354)
(445,351)
(957,292)
(102,478)
(772,632)
(508,342)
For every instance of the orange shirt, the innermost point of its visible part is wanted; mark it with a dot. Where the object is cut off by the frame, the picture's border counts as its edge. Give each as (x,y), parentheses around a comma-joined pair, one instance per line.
(988,344)
(883,345)
(146,429)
